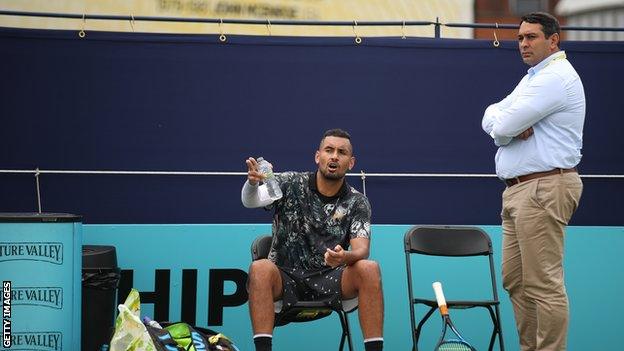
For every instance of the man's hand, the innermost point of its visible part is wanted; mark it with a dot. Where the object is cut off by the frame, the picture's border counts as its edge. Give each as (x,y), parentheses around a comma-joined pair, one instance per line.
(336,257)
(526,134)
(253,175)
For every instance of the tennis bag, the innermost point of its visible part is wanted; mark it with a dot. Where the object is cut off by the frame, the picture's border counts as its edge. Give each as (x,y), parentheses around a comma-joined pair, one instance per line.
(183,337)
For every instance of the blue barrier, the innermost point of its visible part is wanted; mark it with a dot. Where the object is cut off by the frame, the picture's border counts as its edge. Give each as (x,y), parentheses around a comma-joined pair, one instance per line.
(592,263)
(164,102)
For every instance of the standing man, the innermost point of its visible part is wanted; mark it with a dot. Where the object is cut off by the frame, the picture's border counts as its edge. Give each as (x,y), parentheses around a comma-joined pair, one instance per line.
(315,222)
(539,130)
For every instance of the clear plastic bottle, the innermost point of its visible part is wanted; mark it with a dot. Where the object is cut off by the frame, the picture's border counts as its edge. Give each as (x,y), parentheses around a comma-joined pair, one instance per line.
(272,185)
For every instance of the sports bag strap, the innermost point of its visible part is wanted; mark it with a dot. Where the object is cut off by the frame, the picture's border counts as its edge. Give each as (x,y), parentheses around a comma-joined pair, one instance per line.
(206,339)
(162,339)
(199,340)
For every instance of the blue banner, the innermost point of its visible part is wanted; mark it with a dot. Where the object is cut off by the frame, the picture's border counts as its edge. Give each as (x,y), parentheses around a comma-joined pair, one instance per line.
(156,102)
(197,273)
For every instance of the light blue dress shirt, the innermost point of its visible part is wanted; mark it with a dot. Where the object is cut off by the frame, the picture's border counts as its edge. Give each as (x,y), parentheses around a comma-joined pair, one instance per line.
(551,99)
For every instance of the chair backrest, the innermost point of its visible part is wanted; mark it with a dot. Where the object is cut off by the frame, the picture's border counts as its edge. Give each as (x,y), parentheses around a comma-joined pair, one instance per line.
(447,241)
(451,241)
(260,247)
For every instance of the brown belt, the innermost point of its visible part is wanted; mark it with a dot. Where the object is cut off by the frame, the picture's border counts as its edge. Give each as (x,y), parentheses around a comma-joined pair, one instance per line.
(524,178)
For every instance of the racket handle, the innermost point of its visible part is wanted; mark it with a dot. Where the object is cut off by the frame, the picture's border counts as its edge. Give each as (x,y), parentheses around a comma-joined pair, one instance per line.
(439,294)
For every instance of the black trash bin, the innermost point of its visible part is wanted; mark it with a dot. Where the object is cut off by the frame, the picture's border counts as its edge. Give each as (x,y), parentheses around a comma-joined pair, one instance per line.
(100,278)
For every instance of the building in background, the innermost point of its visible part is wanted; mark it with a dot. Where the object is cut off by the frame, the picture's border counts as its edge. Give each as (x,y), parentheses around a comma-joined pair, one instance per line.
(595,13)
(446,11)
(509,12)
(574,13)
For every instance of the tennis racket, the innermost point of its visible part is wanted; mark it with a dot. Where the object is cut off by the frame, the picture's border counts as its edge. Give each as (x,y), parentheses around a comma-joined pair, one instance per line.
(454,341)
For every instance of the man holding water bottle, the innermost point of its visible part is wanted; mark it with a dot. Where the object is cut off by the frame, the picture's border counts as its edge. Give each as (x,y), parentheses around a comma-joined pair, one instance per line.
(321,241)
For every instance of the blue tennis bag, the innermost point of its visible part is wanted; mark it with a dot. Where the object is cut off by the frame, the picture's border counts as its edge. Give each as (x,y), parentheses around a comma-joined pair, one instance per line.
(183,337)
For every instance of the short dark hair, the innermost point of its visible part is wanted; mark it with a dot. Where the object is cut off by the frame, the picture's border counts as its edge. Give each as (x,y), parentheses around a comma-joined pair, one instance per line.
(337,132)
(550,24)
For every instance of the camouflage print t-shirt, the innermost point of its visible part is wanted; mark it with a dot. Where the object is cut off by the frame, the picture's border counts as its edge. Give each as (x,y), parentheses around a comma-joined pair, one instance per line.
(306,223)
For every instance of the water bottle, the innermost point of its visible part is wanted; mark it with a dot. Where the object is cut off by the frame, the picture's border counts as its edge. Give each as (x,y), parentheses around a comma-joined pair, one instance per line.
(273,188)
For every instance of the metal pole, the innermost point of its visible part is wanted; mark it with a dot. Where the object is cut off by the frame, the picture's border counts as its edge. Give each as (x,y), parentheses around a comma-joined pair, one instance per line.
(437,28)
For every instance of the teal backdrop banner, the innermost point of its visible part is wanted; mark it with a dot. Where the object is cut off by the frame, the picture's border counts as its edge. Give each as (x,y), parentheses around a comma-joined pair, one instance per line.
(197,273)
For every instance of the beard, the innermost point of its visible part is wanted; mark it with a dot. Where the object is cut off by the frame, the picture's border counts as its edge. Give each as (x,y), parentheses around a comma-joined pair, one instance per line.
(331,176)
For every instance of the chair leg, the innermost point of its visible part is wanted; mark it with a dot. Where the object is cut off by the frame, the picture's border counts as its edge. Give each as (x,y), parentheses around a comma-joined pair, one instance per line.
(500,330)
(419,327)
(346,332)
(496,330)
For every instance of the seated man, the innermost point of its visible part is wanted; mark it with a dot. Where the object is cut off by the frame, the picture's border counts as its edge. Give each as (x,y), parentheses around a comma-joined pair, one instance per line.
(315,222)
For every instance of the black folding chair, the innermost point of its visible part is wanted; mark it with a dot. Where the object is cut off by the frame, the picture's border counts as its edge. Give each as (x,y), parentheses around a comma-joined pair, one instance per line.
(451,241)
(305,311)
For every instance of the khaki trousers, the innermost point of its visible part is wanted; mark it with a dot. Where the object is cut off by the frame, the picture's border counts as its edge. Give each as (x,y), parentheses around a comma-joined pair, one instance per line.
(535,214)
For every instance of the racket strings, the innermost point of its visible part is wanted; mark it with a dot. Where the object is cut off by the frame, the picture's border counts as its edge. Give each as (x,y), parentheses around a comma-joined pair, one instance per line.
(454,345)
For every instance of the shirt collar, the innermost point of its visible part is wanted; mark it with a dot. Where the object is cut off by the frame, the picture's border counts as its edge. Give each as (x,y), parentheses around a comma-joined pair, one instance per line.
(312,184)
(545,62)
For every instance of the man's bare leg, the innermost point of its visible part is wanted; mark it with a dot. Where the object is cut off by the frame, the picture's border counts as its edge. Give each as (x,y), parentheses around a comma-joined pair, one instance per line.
(363,279)
(264,286)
